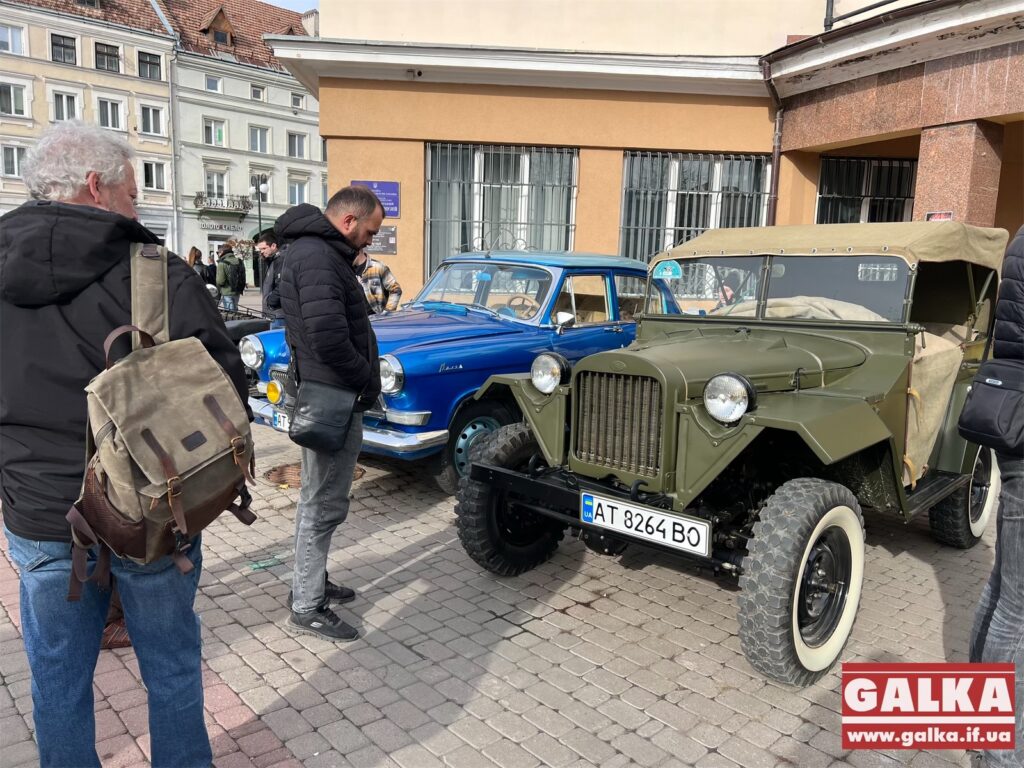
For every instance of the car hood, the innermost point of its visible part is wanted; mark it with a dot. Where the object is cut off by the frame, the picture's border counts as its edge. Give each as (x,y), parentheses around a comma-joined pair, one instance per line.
(686,361)
(410,329)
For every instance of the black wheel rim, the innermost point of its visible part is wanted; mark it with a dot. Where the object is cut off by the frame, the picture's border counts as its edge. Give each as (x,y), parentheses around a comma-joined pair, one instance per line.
(824,586)
(516,525)
(981,484)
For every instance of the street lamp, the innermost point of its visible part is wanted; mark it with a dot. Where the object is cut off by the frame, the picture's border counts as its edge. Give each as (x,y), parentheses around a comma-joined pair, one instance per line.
(258,187)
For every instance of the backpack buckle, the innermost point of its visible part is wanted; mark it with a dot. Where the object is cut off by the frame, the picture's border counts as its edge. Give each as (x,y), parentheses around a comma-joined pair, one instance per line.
(174,486)
(238,445)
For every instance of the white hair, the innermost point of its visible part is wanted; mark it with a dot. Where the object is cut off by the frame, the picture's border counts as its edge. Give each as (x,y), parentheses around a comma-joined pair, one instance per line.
(67,152)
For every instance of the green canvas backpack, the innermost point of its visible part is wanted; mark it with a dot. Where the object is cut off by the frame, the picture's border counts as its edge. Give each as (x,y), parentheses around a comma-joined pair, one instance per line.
(168,443)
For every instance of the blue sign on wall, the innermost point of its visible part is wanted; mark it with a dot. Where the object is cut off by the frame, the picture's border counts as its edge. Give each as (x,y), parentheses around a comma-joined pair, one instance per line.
(387,192)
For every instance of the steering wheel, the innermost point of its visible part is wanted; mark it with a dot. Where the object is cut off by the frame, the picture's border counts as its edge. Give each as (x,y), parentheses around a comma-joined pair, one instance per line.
(523,301)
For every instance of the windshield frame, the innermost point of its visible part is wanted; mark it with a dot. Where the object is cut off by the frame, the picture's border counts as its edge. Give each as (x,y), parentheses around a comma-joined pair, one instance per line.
(553,273)
(768,259)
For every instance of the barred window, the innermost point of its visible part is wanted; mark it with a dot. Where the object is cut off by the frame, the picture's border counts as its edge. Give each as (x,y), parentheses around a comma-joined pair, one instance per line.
(671,197)
(858,190)
(488,197)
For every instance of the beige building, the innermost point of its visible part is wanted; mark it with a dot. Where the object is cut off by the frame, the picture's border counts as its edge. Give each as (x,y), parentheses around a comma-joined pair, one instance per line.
(103,63)
(626,127)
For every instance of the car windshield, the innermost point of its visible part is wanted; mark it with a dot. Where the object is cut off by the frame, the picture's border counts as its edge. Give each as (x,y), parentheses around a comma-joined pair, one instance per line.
(861,288)
(509,290)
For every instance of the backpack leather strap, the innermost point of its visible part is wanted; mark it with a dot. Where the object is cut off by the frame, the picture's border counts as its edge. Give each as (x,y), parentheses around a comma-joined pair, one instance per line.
(149,292)
(82,539)
(238,443)
(173,482)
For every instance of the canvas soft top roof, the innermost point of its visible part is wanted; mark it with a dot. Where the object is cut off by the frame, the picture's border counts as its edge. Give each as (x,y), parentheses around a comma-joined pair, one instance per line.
(915,241)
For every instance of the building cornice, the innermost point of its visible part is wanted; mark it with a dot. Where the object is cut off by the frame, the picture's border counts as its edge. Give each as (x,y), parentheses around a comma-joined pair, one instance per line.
(90,23)
(889,41)
(311,59)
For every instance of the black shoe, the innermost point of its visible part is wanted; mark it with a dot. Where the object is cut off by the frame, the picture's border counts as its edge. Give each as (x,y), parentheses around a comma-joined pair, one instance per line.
(323,622)
(333,593)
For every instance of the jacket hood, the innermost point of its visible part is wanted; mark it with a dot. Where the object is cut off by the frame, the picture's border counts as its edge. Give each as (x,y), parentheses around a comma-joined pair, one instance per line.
(51,251)
(307,220)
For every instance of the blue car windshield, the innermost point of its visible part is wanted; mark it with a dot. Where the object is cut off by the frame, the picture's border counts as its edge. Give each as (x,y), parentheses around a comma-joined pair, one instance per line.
(509,290)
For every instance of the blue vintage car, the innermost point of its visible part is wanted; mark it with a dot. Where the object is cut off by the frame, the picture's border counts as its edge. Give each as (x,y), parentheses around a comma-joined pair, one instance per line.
(479,314)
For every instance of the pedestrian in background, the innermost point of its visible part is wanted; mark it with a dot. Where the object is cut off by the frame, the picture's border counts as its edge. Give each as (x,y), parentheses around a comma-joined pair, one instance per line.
(195,260)
(332,344)
(65,257)
(230,277)
(383,293)
(998,633)
(273,259)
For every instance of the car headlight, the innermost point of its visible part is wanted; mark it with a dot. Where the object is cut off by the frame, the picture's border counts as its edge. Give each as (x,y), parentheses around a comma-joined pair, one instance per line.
(392,376)
(728,396)
(251,350)
(275,392)
(548,371)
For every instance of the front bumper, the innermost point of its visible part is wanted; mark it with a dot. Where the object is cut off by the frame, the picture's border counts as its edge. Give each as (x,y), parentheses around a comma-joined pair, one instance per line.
(376,439)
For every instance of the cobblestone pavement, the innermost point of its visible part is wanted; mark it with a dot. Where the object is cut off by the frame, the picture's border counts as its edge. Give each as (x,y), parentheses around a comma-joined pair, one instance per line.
(586,661)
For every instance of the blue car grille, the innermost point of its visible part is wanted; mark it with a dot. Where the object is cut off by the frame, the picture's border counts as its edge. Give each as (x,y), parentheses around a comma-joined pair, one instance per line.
(618,421)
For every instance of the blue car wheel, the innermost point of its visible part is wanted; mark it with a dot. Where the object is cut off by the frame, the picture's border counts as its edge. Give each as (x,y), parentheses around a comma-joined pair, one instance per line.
(474,421)
(467,437)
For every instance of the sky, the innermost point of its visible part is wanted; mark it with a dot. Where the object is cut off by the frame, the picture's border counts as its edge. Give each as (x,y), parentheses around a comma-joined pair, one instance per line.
(295,5)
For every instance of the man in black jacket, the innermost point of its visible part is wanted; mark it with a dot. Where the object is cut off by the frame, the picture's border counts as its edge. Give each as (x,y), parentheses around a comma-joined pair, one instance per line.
(273,259)
(998,634)
(65,283)
(332,342)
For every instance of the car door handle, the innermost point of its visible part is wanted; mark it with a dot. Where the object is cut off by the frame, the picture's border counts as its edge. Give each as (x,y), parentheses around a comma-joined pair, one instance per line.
(613,329)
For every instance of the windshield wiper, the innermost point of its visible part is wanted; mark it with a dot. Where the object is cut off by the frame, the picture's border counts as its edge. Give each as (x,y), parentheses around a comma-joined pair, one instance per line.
(485,309)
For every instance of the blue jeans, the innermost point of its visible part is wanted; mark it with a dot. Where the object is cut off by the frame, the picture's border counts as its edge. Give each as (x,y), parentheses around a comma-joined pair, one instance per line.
(62,640)
(998,634)
(229,302)
(322,507)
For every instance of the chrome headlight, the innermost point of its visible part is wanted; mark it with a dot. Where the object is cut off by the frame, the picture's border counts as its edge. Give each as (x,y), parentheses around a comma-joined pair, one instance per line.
(548,371)
(251,350)
(728,396)
(392,376)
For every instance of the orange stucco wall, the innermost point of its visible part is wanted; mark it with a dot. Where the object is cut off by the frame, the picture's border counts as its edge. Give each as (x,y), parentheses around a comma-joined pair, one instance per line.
(1010,202)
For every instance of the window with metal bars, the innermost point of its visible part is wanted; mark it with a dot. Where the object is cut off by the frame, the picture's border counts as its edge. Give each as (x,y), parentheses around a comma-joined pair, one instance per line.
(671,197)
(489,197)
(859,190)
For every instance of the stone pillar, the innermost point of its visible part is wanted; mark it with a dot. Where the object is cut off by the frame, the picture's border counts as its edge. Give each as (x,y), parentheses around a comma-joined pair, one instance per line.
(958,170)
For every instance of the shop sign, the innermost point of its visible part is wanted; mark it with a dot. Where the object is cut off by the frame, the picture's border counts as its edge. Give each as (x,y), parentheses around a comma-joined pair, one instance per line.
(218,226)
(388,194)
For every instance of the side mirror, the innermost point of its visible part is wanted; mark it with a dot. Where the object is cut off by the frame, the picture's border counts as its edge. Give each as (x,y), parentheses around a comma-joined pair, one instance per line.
(564,320)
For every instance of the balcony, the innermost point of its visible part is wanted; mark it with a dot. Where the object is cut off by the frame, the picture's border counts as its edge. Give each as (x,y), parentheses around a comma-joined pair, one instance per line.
(240,204)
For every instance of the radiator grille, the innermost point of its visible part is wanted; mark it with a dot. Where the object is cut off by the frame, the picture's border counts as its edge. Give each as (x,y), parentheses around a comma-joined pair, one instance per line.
(619,421)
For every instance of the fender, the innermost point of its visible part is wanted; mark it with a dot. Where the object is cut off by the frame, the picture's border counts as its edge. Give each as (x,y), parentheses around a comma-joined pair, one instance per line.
(546,414)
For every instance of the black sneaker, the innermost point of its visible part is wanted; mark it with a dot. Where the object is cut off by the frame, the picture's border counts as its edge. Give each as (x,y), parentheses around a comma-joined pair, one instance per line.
(334,593)
(323,622)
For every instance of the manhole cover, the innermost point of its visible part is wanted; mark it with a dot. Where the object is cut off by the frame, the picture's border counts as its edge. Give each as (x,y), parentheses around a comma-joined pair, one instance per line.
(291,475)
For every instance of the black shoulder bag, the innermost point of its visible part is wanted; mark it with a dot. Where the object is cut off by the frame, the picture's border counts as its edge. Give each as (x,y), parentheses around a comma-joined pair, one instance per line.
(993,414)
(322,414)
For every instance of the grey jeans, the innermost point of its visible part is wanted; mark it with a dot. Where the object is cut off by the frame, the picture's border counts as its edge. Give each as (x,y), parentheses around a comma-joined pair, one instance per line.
(323,506)
(998,634)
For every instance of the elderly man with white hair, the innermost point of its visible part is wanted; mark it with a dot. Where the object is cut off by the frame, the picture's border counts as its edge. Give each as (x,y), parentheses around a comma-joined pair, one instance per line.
(64,285)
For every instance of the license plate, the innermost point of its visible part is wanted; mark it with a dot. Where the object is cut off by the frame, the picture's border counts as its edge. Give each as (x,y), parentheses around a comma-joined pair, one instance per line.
(678,531)
(281,421)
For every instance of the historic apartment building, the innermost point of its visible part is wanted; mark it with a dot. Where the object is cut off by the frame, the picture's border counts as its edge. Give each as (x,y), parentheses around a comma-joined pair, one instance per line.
(104,63)
(625,128)
(192,86)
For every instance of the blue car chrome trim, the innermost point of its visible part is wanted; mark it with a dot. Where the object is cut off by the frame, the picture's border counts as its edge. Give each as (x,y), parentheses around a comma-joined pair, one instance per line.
(408,418)
(400,443)
(263,411)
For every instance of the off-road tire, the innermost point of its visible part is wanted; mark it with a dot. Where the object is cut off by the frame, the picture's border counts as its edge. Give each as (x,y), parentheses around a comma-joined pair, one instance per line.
(446,473)
(799,514)
(480,508)
(950,519)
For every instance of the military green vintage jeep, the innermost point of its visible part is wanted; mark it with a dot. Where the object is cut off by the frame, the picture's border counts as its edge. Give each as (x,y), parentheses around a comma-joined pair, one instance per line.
(791,378)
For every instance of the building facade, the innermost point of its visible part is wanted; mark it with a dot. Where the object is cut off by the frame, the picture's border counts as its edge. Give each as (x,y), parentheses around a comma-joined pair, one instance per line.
(104,63)
(241,121)
(195,90)
(628,132)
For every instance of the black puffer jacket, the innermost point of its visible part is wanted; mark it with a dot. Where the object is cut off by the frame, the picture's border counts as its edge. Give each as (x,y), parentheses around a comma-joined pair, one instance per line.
(1008,339)
(324,309)
(65,283)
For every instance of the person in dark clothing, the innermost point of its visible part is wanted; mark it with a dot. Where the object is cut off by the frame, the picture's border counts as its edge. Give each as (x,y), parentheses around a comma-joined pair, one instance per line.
(65,283)
(328,328)
(998,633)
(273,258)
